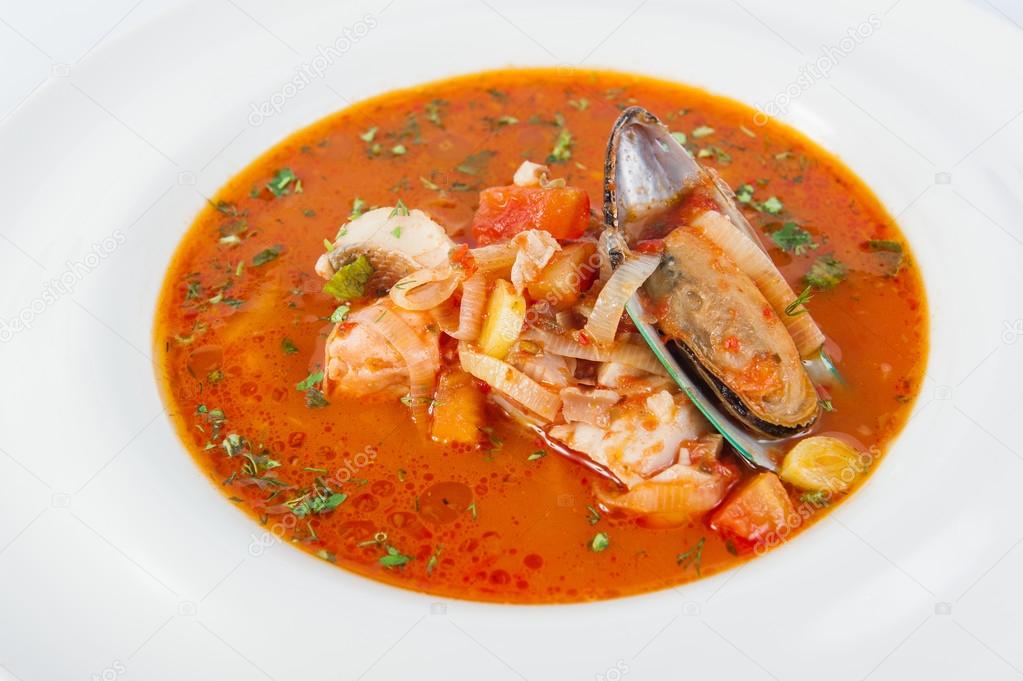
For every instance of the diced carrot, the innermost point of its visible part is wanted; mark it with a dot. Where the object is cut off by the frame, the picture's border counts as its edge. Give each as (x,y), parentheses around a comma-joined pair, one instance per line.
(760,508)
(570,272)
(458,409)
(506,211)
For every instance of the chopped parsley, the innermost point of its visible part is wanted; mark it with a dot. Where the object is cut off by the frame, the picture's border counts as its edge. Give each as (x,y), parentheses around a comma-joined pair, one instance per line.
(692,556)
(284,182)
(399,209)
(369,135)
(826,272)
(349,282)
(791,238)
(795,308)
(394,558)
(266,255)
(500,122)
(703,131)
(538,454)
(816,499)
(314,399)
(744,194)
(476,163)
(593,516)
(309,381)
(434,112)
(288,346)
(434,559)
(580,104)
(717,153)
(680,137)
(358,205)
(772,206)
(320,499)
(399,150)
(233,444)
(562,150)
(891,254)
(600,542)
(339,314)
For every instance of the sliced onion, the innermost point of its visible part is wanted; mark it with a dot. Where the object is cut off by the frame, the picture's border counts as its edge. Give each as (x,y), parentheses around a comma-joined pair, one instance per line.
(588,406)
(425,289)
(423,364)
(495,259)
(546,368)
(637,354)
(756,264)
(626,280)
(470,313)
(447,316)
(566,347)
(689,492)
(506,379)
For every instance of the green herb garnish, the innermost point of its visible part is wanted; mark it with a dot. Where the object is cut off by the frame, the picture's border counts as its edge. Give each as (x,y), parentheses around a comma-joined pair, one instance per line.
(349,282)
(890,252)
(474,164)
(692,556)
(600,542)
(434,559)
(717,153)
(795,308)
(266,255)
(562,150)
(793,239)
(394,558)
(339,314)
(703,131)
(315,399)
(434,111)
(772,206)
(399,209)
(283,183)
(358,205)
(309,381)
(826,272)
(817,499)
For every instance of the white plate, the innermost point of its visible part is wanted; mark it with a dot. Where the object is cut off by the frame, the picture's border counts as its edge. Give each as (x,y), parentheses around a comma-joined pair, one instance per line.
(116,558)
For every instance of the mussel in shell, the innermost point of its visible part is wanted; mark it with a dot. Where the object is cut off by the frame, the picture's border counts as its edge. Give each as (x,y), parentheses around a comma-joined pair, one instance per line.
(719,303)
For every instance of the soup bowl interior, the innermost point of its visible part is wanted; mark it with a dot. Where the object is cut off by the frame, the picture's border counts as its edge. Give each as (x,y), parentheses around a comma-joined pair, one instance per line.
(109,516)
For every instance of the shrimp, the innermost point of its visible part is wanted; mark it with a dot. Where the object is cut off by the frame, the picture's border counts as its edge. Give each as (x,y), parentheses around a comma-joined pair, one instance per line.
(663,450)
(358,364)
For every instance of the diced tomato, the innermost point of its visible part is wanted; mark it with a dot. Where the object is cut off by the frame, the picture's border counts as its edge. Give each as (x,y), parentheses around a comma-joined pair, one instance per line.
(506,211)
(461,257)
(651,246)
(758,510)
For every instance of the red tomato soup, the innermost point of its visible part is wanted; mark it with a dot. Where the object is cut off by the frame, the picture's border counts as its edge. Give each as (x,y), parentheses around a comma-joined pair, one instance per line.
(485,509)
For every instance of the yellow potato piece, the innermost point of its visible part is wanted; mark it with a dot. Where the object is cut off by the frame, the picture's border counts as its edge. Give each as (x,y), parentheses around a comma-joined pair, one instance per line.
(822,464)
(502,324)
